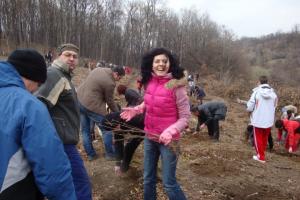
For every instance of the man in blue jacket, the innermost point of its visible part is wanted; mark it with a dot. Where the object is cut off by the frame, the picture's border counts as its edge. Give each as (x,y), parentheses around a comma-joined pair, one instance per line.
(33,163)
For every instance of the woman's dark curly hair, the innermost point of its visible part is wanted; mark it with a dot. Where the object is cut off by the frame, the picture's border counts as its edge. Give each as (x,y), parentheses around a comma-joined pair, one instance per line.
(147,60)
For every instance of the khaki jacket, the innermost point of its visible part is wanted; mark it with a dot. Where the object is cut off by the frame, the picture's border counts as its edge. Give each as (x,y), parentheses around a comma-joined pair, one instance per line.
(98,90)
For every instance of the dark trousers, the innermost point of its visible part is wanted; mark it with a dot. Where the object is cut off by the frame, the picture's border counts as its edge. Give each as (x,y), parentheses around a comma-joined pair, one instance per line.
(213,129)
(25,189)
(125,153)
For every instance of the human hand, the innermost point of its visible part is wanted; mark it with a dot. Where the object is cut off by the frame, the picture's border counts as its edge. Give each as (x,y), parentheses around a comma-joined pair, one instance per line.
(202,126)
(129,112)
(167,134)
(290,150)
(165,137)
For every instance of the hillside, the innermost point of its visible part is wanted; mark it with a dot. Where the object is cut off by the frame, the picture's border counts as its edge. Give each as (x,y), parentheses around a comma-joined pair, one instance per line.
(206,170)
(277,55)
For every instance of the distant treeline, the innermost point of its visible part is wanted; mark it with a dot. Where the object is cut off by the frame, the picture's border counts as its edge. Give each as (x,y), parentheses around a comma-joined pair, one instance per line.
(120,31)
(278,53)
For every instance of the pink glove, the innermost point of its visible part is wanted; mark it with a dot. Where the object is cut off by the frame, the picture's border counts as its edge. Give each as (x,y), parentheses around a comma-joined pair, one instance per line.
(166,136)
(129,112)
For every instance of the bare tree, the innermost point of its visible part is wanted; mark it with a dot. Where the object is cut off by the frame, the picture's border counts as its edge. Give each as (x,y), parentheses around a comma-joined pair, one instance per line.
(119,31)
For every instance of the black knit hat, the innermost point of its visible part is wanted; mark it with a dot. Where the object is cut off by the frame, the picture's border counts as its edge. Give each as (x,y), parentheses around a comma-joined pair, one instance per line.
(29,63)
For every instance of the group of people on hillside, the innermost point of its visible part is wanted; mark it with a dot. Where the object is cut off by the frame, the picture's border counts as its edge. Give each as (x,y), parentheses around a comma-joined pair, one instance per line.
(44,114)
(261,106)
(38,142)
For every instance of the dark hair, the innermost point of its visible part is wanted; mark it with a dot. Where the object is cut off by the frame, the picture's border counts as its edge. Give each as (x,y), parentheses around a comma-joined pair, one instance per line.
(289,112)
(194,108)
(279,123)
(121,89)
(263,79)
(119,69)
(147,61)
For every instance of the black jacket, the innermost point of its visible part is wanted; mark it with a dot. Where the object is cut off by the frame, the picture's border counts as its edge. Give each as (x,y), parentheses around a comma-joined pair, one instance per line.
(211,110)
(132,97)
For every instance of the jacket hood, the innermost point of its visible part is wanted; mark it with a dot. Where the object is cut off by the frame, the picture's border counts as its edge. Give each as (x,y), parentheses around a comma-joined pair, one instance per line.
(9,76)
(265,91)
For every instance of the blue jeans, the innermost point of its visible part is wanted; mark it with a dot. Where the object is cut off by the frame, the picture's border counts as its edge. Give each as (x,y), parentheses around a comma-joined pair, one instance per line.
(152,151)
(86,117)
(81,180)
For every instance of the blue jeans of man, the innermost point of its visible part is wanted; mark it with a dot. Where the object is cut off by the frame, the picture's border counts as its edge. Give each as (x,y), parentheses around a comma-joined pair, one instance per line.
(80,176)
(86,117)
(152,151)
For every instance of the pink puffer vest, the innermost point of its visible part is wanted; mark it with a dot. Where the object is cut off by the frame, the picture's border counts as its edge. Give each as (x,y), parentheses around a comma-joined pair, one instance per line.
(161,108)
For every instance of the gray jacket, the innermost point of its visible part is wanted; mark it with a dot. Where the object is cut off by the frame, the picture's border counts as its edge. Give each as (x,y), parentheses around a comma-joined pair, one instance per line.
(59,94)
(212,110)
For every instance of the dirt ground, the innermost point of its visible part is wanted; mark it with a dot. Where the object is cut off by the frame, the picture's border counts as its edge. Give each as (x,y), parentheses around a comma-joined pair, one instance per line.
(206,170)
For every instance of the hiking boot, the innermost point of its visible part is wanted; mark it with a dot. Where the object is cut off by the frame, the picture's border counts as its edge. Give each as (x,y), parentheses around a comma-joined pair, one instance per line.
(257,159)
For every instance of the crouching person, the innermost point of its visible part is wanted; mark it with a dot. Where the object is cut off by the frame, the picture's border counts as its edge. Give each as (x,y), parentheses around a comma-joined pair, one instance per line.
(293,129)
(209,114)
(134,129)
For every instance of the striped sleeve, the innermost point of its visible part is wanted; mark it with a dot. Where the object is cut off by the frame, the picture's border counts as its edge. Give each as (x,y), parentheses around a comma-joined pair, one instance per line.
(50,91)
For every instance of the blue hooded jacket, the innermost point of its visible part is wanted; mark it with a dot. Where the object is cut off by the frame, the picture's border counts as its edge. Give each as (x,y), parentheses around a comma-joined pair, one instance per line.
(29,143)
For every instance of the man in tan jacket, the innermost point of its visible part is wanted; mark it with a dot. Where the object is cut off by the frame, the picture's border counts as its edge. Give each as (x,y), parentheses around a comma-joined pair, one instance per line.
(93,95)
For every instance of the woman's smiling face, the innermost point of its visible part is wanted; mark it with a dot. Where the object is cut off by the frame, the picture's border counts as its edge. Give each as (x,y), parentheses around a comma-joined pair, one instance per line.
(161,65)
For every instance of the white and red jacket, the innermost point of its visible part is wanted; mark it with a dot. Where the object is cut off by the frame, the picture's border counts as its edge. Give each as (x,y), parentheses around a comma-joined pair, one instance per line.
(262,104)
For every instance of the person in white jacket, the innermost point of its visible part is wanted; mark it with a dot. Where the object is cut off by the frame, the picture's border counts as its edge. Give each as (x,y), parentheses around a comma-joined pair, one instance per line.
(262,104)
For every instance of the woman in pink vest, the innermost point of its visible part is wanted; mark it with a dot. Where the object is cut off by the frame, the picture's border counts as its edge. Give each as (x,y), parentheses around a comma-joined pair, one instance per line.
(167,112)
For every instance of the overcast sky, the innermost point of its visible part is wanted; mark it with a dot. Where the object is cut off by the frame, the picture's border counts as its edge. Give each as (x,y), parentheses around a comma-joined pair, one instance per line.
(252,18)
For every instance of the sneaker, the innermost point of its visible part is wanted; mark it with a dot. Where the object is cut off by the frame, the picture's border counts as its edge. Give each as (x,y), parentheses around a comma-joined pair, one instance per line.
(257,159)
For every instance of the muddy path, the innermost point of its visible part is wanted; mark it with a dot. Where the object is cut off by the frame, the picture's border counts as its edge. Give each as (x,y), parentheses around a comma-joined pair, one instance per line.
(208,170)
